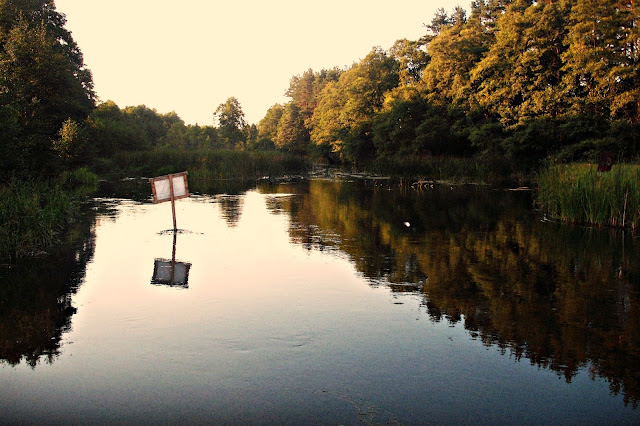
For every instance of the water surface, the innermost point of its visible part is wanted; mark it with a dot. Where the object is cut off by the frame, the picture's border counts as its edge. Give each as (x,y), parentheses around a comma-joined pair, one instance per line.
(324,302)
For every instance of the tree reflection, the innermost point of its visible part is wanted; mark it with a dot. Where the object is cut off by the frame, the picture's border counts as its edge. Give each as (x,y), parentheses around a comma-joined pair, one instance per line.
(231,208)
(565,298)
(35,298)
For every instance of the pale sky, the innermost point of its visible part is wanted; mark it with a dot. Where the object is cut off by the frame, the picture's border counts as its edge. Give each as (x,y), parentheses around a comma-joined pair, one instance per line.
(190,56)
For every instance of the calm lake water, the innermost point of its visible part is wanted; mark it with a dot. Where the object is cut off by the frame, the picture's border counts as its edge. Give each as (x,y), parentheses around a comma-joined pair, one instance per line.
(324,302)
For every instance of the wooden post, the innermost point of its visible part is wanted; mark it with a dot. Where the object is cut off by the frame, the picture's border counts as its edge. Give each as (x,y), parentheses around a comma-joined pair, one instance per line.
(173,203)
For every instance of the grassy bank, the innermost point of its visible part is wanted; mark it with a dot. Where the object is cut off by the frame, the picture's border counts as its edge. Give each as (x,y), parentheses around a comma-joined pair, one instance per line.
(202,164)
(578,193)
(34,214)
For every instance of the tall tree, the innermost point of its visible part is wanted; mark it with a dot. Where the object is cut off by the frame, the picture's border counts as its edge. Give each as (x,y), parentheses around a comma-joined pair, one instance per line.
(290,133)
(43,81)
(231,122)
(150,122)
(268,126)
(453,54)
(518,78)
(412,58)
(304,90)
(346,108)
(439,21)
(601,62)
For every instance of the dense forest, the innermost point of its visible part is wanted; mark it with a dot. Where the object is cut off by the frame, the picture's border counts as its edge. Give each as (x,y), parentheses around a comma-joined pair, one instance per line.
(522,81)
(518,79)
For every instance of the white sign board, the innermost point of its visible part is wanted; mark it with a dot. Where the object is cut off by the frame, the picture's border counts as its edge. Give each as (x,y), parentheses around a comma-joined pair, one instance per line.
(162,187)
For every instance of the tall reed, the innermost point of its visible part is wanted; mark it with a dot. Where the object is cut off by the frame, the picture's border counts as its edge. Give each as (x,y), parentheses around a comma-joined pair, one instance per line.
(579,193)
(33,214)
(203,164)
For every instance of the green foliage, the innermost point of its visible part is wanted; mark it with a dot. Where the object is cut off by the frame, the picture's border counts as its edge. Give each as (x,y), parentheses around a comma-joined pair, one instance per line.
(579,193)
(287,126)
(411,58)
(231,122)
(82,179)
(32,217)
(601,61)
(395,126)
(344,116)
(454,53)
(12,151)
(520,79)
(290,132)
(268,126)
(43,84)
(72,145)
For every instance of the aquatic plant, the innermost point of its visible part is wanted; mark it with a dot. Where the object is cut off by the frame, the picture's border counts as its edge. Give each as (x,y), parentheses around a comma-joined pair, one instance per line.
(33,214)
(80,182)
(579,193)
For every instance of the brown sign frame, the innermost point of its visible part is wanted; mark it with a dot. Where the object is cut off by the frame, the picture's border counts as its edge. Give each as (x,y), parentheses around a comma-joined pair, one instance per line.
(170,178)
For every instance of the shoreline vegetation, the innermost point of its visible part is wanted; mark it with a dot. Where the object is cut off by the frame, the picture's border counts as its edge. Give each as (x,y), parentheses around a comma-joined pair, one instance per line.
(202,165)
(579,193)
(35,214)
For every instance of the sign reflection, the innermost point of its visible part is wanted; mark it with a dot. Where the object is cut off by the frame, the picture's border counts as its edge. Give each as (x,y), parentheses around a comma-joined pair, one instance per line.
(170,272)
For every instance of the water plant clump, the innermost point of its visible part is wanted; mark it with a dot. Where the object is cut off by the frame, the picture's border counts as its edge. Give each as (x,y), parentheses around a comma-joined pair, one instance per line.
(579,193)
(33,214)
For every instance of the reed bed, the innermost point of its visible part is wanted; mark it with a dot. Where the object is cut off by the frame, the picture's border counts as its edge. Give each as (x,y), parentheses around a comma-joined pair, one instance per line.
(203,164)
(32,215)
(579,193)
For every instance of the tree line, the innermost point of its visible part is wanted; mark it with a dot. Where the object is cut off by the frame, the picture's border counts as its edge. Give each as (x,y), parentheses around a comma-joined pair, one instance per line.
(520,80)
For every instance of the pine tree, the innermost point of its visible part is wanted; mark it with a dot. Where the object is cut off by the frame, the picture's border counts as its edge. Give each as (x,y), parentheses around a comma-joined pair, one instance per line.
(601,62)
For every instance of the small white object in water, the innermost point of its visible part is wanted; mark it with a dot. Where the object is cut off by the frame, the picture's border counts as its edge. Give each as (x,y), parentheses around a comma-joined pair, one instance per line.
(407,224)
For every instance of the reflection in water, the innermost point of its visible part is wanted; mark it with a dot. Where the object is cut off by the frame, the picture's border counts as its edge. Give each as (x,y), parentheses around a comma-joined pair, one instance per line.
(231,208)
(273,332)
(170,272)
(563,297)
(35,298)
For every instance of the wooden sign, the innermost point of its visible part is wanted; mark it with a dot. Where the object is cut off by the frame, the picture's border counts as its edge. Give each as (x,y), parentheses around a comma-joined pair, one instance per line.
(166,188)
(170,188)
